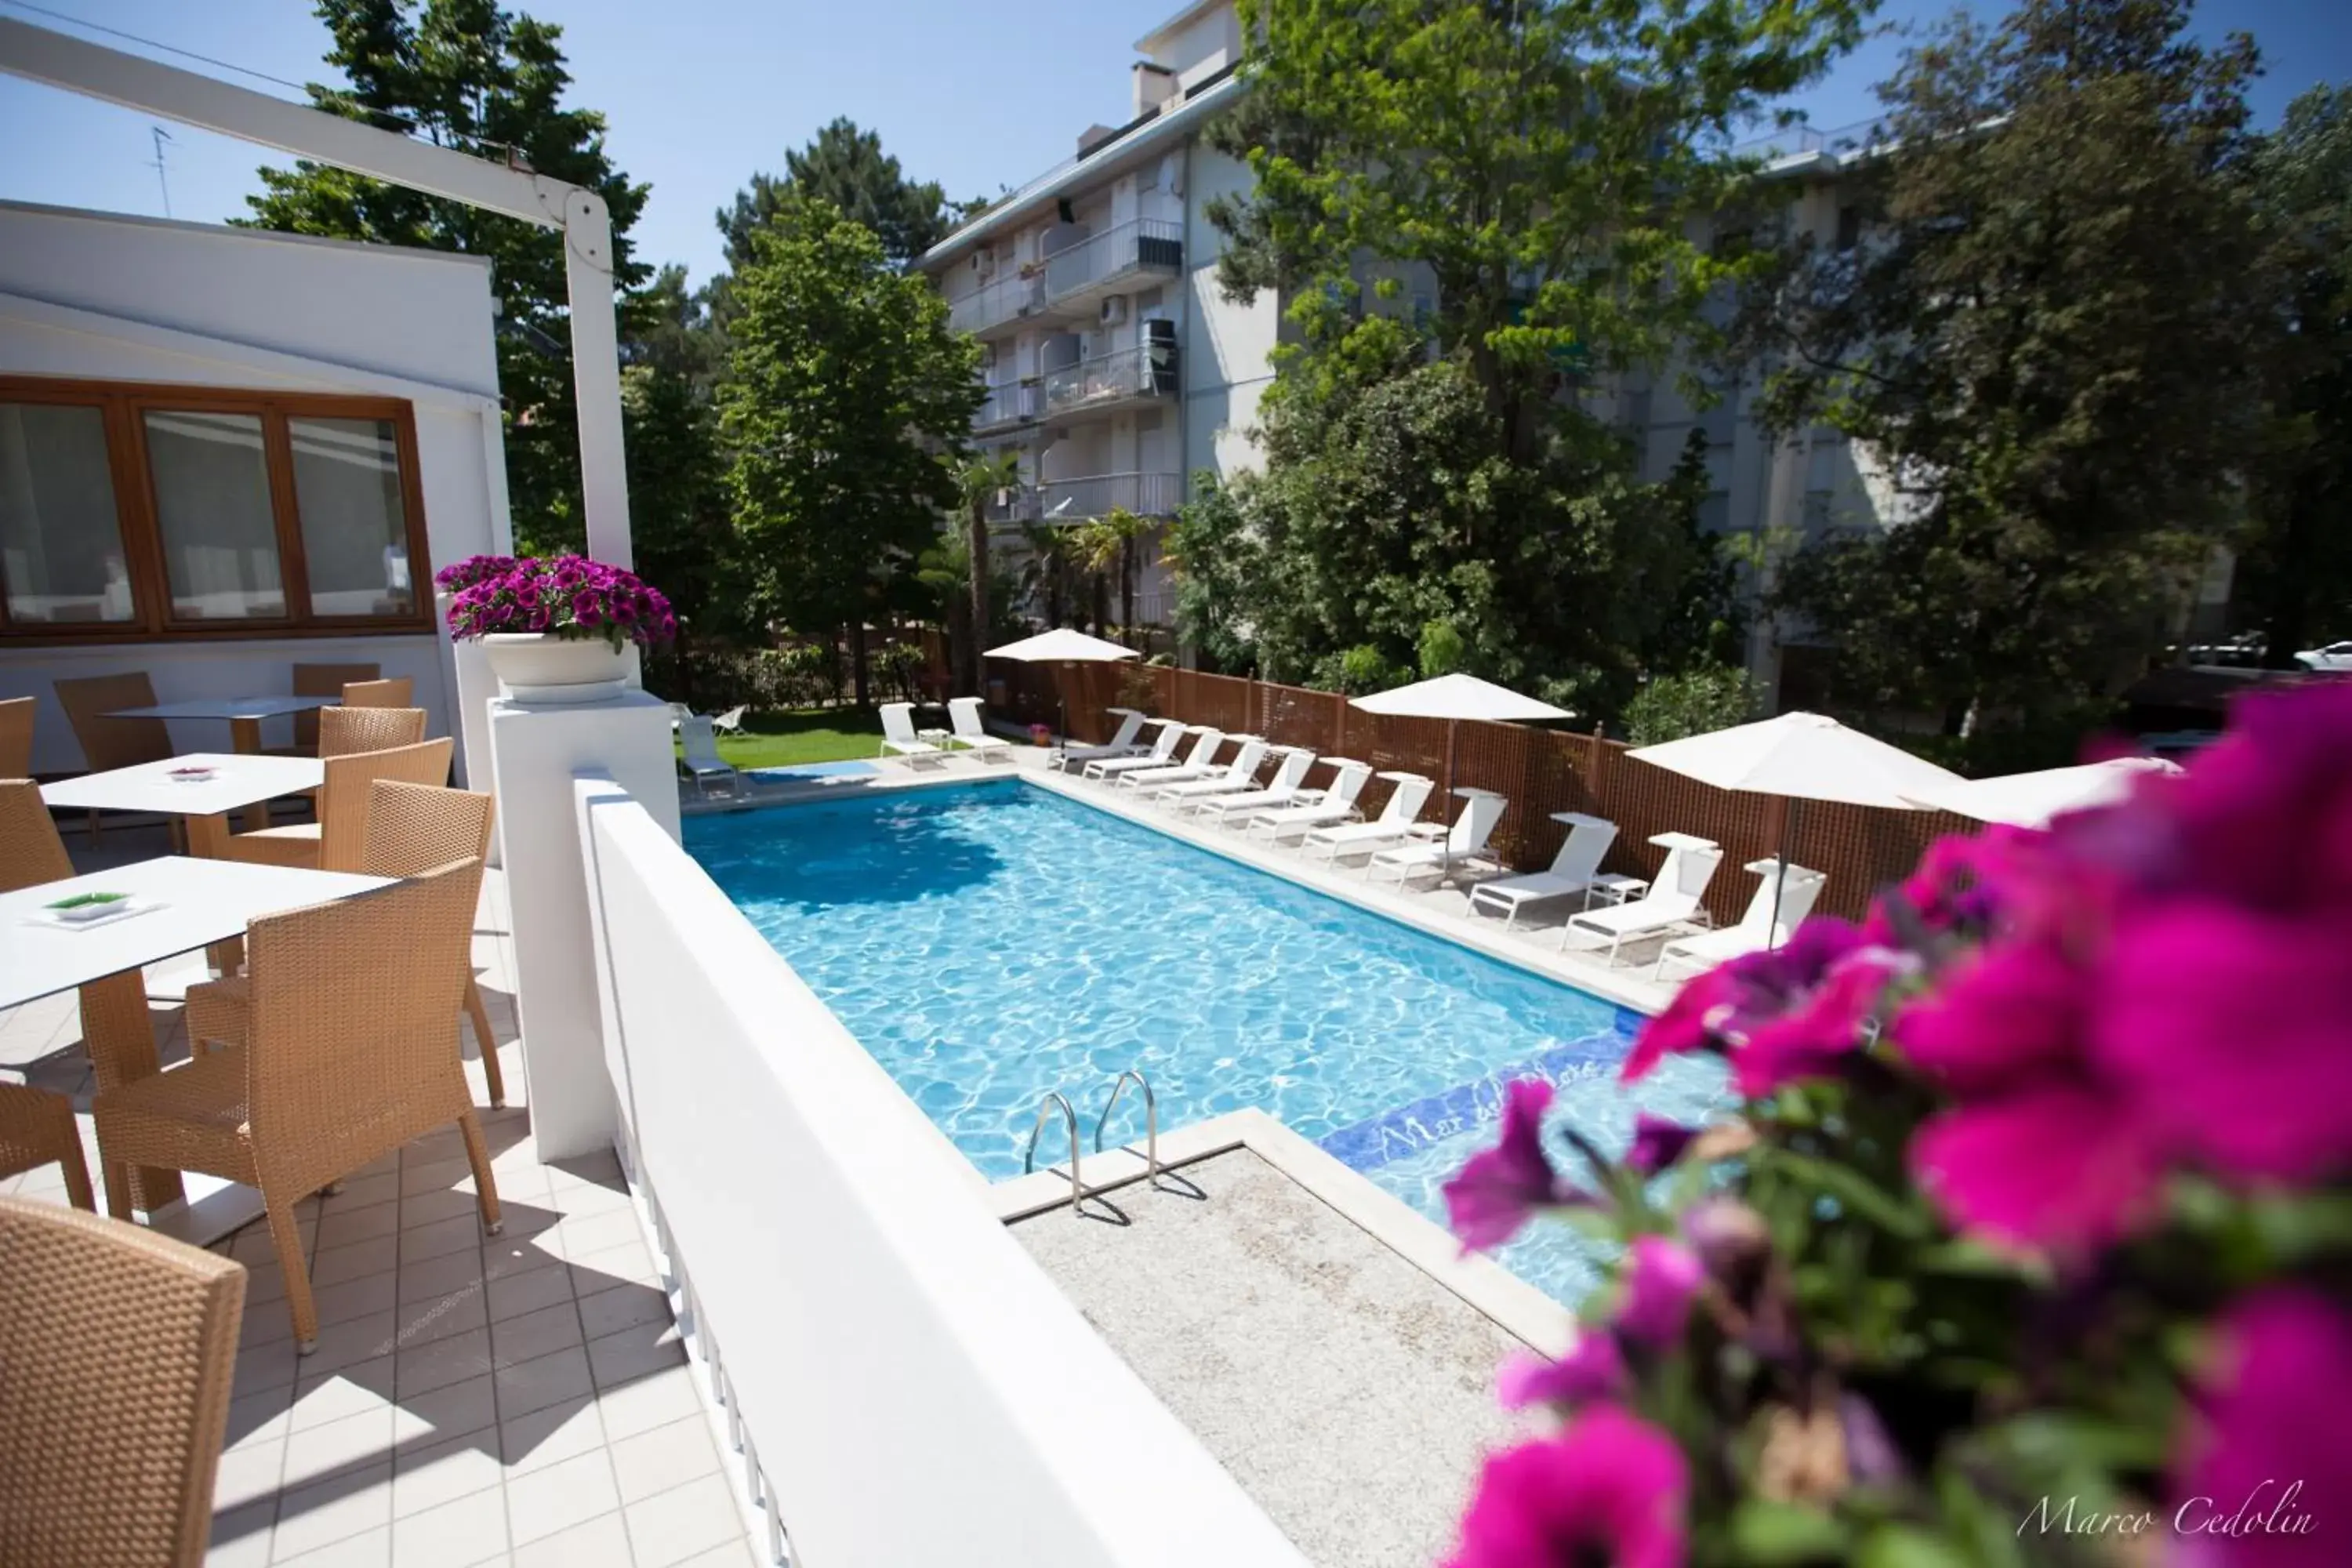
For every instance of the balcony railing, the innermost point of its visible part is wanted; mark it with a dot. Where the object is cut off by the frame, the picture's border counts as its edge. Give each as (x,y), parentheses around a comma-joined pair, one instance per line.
(1147,371)
(1017,403)
(1144,245)
(1082,499)
(1008,299)
(1148,495)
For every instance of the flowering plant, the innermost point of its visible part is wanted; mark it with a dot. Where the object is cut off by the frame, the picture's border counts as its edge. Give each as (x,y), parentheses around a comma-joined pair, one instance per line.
(2032,1240)
(568,596)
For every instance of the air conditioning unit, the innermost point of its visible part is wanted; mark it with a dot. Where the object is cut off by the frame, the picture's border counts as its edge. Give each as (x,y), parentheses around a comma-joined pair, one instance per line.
(1114,311)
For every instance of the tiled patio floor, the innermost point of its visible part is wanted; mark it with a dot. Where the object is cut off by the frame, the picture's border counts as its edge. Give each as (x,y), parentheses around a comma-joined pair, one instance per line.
(522,1398)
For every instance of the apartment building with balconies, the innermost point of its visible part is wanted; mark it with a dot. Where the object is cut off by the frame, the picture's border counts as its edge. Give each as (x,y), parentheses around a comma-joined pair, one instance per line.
(1111,362)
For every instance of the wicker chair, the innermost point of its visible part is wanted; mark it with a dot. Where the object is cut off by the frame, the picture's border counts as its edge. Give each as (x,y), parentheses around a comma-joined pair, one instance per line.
(109,743)
(338,840)
(399,692)
(112,1007)
(36,1127)
(350,1056)
(322,681)
(411,828)
(31,852)
(16,738)
(343,730)
(120,1354)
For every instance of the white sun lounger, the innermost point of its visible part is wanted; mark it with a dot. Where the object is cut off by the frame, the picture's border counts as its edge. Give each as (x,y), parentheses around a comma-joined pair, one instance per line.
(898,734)
(1241,773)
(1757,929)
(1122,744)
(1318,808)
(963,712)
(1283,789)
(1573,870)
(1160,753)
(1673,899)
(1443,848)
(1200,762)
(1394,822)
(702,759)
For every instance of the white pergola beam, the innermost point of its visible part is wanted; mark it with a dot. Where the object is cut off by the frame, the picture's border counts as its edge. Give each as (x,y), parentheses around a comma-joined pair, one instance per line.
(151,87)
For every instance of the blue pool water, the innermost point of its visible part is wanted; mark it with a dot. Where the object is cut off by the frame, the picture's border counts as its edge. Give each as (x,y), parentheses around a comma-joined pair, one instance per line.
(992,943)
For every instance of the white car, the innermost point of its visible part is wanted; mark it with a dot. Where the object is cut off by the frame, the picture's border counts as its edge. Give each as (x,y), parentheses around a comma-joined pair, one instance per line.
(2335,656)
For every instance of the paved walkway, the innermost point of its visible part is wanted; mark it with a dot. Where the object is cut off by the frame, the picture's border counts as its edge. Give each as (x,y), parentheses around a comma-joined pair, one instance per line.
(524,1398)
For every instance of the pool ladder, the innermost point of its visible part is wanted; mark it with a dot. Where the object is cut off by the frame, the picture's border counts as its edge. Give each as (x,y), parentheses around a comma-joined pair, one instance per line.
(1055,1099)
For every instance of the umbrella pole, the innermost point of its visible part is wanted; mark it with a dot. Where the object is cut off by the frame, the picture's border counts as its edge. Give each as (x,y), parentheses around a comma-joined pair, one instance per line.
(1790,806)
(1445,852)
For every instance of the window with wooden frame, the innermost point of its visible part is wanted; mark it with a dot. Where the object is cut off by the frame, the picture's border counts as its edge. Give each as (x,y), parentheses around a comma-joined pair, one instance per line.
(132,510)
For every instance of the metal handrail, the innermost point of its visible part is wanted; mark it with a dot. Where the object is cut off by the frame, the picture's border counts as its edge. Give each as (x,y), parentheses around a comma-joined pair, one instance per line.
(1070,1121)
(1151,1121)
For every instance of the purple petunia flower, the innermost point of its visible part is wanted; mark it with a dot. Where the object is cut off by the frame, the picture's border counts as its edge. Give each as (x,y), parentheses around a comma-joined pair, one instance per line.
(1611,1490)
(1499,1188)
(1662,1281)
(1592,1369)
(2270,1450)
(1787,1013)
(1657,1144)
(2170,991)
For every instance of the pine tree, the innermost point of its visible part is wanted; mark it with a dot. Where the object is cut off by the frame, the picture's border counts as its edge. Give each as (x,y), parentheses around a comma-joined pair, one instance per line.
(468,75)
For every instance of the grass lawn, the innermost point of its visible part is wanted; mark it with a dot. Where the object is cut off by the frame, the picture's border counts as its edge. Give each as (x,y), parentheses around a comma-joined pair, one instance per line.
(804,735)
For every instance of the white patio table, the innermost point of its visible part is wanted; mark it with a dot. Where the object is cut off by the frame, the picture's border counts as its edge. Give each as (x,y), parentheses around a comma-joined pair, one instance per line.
(243,714)
(238,779)
(198,902)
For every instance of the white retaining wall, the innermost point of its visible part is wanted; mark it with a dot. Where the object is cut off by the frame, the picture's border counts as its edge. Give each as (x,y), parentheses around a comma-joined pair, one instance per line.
(916,1390)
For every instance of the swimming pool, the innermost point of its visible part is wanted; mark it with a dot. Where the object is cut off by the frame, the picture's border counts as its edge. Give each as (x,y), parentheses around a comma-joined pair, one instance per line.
(991,942)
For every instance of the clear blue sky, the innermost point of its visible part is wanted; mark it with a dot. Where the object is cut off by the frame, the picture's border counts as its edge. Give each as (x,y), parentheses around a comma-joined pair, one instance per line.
(701,93)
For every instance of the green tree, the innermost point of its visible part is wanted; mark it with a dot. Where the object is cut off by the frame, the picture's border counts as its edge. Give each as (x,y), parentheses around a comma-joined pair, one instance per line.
(1705,697)
(1513,188)
(1388,502)
(681,530)
(468,75)
(2046,342)
(843,409)
(1110,547)
(845,167)
(981,478)
(2295,581)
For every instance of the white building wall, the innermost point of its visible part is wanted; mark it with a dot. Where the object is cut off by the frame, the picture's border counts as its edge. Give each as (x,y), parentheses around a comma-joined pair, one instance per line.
(1228,347)
(103,298)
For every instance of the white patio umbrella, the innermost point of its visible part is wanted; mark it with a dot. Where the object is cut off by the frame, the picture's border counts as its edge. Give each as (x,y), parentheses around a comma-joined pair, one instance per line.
(1062,646)
(1801,757)
(1454,698)
(2031,800)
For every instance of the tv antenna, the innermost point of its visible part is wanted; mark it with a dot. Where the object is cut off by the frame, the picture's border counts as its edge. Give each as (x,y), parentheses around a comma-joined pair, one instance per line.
(162,176)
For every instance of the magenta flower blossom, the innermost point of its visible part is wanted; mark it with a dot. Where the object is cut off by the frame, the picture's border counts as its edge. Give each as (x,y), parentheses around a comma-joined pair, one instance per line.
(567,595)
(1787,1014)
(1611,1490)
(2235,1030)
(2264,817)
(2016,1009)
(2269,1447)
(1592,1369)
(2172,991)
(1657,1144)
(1662,1281)
(2056,1165)
(1499,1188)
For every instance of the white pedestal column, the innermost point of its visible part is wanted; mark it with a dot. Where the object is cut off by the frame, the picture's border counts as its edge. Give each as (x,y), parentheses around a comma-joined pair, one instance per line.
(536,750)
